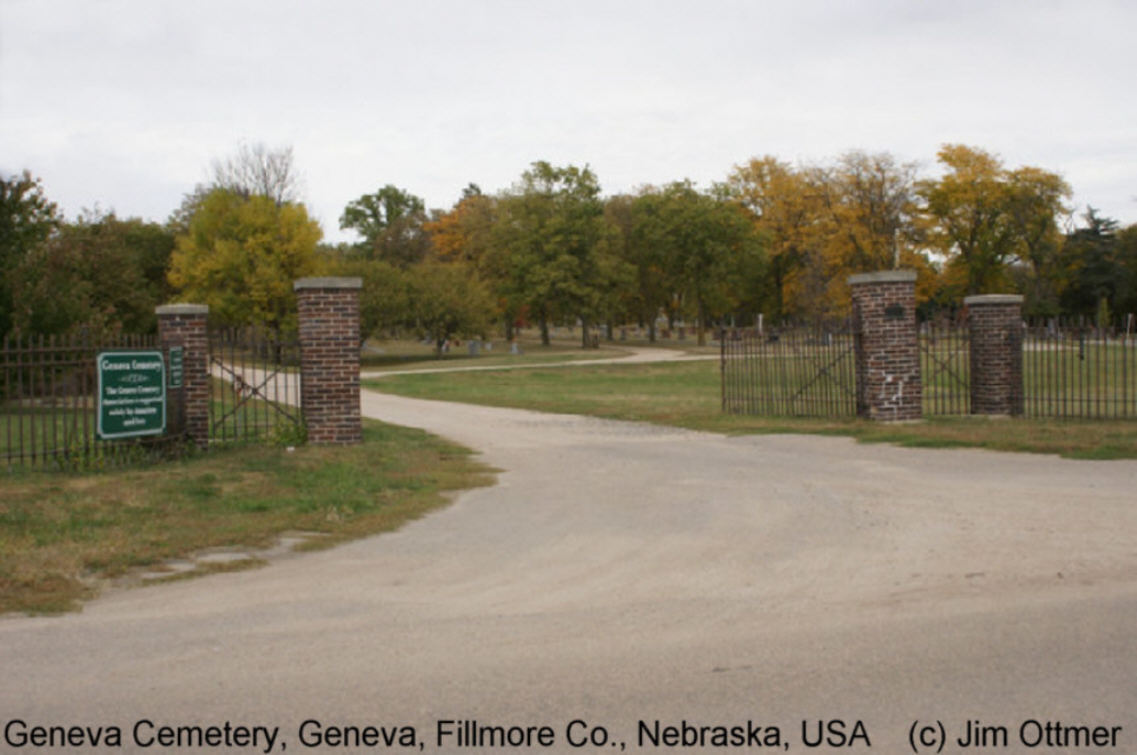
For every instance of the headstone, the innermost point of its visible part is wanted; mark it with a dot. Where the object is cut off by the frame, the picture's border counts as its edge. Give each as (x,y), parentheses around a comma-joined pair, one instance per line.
(473,347)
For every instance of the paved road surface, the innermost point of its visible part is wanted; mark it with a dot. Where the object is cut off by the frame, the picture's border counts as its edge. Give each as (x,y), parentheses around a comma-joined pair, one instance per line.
(622,572)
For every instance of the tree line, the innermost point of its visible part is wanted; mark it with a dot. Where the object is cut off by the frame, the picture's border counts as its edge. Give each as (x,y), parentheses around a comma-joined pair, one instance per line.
(772,238)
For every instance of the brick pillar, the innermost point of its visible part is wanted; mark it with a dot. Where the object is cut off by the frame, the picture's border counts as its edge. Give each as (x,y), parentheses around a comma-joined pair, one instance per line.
(887,352)
(185,325)
(328,309)
(995,322)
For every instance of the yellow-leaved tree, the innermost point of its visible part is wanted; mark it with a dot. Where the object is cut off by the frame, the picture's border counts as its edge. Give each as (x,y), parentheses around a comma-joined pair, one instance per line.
(982,218)
(788,210)
(240,255)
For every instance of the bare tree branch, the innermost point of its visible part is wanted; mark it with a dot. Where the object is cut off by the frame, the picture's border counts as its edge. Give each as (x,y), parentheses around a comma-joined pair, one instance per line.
(258,170)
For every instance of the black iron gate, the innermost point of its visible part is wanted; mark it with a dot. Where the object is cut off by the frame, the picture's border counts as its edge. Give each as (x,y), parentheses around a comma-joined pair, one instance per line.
(255,384)
(790,370)
(945,368)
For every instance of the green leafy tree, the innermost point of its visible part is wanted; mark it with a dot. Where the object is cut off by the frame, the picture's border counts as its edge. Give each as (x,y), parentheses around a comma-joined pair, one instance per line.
(550,235)
(241,255)
(1126,256)
(384,303)
(447,301)
(27,219)
(1091,266)
(98,271)
(52,293)
(640,228)
(710,247)
(391,223)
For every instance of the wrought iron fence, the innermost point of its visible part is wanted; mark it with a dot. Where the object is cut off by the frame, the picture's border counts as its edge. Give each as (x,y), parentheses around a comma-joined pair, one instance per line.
(1070,369)
(1073,369)
(48,405)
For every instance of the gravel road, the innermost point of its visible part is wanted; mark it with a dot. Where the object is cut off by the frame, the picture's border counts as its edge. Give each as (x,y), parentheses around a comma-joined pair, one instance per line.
(621,573)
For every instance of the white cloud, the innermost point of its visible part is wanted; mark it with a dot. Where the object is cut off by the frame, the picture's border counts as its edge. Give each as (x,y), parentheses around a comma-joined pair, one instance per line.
(125,103)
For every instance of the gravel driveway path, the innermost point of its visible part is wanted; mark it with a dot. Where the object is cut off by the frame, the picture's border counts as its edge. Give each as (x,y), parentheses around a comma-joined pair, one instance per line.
(621,573)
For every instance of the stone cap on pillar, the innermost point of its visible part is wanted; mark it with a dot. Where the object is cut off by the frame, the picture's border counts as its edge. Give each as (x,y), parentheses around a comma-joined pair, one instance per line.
(884,276)
(326,283)
(993,299)
(182,309)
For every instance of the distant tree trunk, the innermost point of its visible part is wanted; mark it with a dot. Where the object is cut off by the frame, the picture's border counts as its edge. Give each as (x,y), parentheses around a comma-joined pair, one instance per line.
(702,324)
(544,331)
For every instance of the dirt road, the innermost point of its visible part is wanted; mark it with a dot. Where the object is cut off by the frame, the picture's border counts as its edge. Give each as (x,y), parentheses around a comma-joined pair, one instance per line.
(623,573)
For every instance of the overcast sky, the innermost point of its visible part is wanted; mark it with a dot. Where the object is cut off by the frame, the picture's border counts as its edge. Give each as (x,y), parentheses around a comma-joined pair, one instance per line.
(124,103)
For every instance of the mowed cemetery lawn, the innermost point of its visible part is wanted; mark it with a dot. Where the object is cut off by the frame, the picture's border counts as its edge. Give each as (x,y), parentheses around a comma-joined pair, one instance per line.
(63,534)
(688,394)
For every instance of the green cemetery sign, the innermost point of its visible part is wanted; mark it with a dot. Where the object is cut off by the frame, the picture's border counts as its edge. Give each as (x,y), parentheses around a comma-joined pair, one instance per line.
(176,361)
(132,394)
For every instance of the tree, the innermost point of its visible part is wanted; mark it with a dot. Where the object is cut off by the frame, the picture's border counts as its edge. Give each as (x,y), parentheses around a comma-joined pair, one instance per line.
(966,218)
(384,304)
(257,170)
(98,271)
(1126,256)
(51,294)
(870,199)
(786,208)
(710,247)
(982,218)
(240,255)
(1091,268)
(1035,205)
(465,232)
(549,235)
(637,226)
(447,301)
(391,224)
(27,219)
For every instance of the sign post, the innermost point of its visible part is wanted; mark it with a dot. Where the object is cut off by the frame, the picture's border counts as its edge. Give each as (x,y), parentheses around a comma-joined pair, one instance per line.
(132,394)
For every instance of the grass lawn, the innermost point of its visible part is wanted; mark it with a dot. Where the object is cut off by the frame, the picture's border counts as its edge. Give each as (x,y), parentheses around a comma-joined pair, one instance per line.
(60,534)
(687,394)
